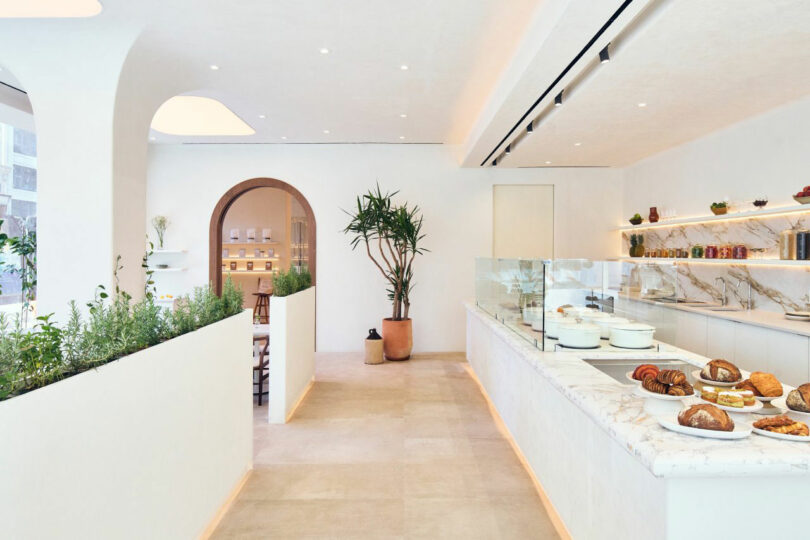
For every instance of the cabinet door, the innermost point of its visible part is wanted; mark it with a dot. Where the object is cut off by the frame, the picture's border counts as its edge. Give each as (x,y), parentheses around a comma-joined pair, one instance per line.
(720,339)
(690,332)
(751,347)
(788,357)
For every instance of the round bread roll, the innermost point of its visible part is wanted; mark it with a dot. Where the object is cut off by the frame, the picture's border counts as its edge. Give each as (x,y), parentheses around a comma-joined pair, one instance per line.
(706,416)
(721,371)
(799,399)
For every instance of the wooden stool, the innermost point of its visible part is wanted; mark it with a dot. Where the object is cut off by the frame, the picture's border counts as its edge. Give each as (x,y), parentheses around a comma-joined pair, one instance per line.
(262,368)
(262,307)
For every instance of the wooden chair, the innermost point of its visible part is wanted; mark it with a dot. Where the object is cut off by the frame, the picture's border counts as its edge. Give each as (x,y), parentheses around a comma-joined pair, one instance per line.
(261,371)
(262,307)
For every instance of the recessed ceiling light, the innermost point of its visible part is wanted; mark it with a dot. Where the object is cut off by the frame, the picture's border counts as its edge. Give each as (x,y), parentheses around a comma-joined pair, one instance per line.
(642,104)
(548,163)
(197,115)
(403,115)
(50,8)
(284,137)
(262,116)
(324,50)
(214,67)
(402,136)
(577,144)
(403,67)
(326,131)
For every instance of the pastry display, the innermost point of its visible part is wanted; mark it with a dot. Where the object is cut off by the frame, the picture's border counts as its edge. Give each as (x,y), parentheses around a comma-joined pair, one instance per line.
(721,371)
(783,424)
(652,385)
(706,416)
(643,370)
(748,398)
(709,393)
(748,385)
(730,399)
(766,384)
(799,399)
(671,376)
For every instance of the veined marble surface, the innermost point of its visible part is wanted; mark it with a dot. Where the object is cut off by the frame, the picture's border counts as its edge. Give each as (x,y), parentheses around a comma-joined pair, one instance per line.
(615,408)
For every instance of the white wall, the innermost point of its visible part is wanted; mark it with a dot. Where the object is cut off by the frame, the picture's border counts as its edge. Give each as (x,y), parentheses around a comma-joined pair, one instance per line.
(762,155)
(186,181)
(149,446)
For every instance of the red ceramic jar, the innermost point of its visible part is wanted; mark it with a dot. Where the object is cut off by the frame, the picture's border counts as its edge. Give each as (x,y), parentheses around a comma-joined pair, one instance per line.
(739,252)
(710,252)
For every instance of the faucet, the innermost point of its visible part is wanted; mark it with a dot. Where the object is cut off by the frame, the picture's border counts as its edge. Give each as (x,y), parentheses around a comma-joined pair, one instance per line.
(749,305)
(721,279)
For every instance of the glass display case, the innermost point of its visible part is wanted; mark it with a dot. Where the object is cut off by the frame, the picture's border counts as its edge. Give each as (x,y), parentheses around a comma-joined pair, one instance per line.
(539,299)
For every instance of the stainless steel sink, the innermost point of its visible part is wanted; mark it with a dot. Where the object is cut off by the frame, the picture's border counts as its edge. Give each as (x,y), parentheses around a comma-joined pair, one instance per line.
(617,368)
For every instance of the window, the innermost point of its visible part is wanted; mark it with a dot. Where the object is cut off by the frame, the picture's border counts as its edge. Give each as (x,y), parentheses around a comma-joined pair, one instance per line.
(18,206)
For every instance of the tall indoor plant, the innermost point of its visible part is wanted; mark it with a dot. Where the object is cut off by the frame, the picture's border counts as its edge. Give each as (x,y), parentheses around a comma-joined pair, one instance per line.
(392,236)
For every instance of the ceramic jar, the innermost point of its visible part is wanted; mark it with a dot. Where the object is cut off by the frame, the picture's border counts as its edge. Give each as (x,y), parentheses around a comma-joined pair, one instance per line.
(710,252)
(697,252)
(739,252)
(654,217)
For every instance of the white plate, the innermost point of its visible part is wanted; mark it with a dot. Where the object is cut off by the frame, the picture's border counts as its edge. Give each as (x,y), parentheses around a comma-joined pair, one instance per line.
(797,317)
(781,402)
(629,376)
(751,408)
(670,422)
(696,375)
(766,399)
(643,392)
(783,436)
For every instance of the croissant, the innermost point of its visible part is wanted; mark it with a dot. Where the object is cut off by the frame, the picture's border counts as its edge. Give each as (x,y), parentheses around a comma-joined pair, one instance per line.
(671,376)
(688,389)
(766,384)
(650,384)
(676,390)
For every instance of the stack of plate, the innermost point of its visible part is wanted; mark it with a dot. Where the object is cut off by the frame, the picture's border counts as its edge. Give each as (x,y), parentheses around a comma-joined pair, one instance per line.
(798,315)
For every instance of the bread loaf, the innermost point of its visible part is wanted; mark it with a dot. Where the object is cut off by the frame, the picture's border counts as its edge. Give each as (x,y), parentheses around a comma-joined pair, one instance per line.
(721,371)
(799,399)
(706,416)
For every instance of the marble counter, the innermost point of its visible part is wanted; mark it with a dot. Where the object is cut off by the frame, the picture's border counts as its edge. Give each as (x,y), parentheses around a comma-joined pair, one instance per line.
(757,317)
(616,410)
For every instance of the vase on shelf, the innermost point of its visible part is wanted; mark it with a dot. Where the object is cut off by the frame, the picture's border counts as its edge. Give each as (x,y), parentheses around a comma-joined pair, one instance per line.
(654,214)
(636,245)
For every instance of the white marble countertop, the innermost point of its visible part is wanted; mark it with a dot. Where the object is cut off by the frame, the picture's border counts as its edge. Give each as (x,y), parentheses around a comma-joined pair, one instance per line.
(756,317)
(616,409)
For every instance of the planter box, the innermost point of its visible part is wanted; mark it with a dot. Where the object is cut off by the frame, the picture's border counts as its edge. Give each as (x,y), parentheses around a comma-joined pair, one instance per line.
(148,446)
(292,352)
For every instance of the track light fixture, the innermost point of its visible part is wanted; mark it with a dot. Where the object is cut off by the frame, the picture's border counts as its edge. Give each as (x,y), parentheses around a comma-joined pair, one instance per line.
(530,127)
(604,55)
(495,162)
(508,149)
(558,100)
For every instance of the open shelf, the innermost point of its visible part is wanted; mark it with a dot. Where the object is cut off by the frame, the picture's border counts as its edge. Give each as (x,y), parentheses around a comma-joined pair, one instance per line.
(740,262)
(168,269)
(229,243)
(250,258)
(236,272)
(747,214)
(169,251)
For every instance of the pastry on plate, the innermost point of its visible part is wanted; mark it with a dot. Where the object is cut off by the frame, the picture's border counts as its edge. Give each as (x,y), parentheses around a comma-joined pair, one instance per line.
(643,370)
(799,399)
(766,383)
(783,424)
(730,399)
(748,397)
(721,371)
(747,385)
(706,416)
(671,376)
(709,393)
(676,390)
(651,385)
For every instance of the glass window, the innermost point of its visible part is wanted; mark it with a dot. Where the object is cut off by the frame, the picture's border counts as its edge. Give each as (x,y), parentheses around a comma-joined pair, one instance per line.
(25,178)
(25,143)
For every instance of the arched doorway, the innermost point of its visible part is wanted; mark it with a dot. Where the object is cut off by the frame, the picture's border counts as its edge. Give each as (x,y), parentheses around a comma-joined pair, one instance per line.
(225,203)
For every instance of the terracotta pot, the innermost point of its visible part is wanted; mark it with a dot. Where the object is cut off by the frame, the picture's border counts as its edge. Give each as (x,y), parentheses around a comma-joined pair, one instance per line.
(654,214)
(397,339)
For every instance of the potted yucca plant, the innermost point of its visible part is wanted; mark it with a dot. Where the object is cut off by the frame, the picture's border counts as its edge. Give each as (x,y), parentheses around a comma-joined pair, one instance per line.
(392,236)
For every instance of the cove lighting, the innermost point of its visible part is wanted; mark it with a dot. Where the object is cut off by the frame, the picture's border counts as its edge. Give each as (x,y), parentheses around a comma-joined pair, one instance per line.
(198,116)
(49,8)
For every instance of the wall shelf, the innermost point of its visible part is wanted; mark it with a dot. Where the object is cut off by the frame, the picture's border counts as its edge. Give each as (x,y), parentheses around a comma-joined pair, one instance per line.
(168,269)
(169,251)
(728,262)
(250,258)
(229,243)
(236,272)
(747,214)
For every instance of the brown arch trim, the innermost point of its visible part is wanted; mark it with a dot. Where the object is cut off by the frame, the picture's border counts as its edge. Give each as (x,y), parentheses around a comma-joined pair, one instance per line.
(218,216)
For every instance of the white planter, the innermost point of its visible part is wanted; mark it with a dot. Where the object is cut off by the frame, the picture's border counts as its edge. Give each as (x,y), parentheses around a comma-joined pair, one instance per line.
(292,352)
(149,446)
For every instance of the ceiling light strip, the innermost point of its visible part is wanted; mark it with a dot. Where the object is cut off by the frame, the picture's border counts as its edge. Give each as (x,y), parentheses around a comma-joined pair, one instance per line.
(564,72)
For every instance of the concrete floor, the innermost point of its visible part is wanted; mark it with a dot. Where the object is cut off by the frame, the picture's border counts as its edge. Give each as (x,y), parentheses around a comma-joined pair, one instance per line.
(399,450)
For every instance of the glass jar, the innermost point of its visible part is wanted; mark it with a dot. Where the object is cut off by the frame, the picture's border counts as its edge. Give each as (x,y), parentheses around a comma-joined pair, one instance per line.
(802,245)
(697,252)
(710,252)
(739,252)
(787,245)
(671,253)
(725,251)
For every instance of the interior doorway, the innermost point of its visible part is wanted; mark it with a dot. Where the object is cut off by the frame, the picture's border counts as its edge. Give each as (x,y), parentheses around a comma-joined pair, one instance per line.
(258,228)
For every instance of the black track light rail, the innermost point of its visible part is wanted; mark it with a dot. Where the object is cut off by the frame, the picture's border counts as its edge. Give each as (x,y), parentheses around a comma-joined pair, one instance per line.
(14,88)
(564,72)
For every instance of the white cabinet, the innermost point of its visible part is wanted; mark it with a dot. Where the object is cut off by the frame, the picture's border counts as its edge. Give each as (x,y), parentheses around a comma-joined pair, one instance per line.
(690,332)
(720,339)
(751,347)
(789,357)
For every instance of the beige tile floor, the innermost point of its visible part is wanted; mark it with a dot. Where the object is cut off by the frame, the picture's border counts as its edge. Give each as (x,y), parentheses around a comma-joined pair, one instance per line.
(399,450)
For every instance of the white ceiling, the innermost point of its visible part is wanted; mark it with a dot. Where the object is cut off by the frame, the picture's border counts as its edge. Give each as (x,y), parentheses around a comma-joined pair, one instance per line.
(699,66)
